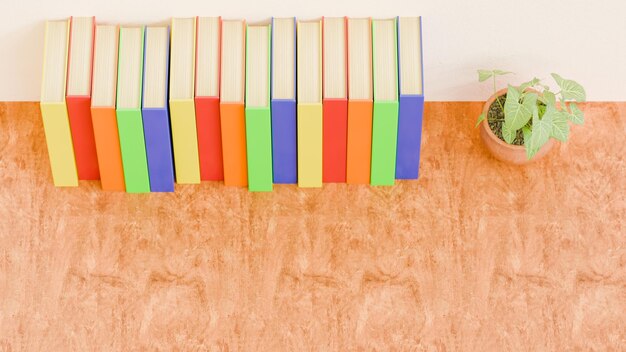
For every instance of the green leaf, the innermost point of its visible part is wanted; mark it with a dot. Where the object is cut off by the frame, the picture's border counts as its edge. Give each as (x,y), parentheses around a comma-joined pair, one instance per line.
(529,100)
(542,128)
(560,124)
(576,116)
(541,109)
(507,133)
(484,75)
(480,119)
(530,150)
(549,97)
(516,115)
(533,82)
(570,90)
(501,73)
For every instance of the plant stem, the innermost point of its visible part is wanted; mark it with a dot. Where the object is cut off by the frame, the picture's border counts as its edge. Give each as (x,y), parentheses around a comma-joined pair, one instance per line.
(494,92)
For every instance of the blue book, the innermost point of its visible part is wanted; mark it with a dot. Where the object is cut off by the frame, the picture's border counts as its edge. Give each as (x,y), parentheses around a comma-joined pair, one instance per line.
(411,109)
(156,119)
(283,100)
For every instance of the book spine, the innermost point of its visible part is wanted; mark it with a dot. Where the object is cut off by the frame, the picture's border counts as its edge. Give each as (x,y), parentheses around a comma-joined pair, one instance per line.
(209,138)
(259,148)
(59,140)
(409,136)
(233,126)
(133,148)
(335,135)
(284,141)
(310,145)
(185,141)
(79,111)
(156,128)
(108,148)
(359,147)
(384,139)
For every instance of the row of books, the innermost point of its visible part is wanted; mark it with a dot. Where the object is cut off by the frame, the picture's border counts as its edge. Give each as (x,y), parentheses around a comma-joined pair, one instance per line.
(306,102)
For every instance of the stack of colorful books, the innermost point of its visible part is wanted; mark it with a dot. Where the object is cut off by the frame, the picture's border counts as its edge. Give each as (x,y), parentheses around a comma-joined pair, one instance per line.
(205,99)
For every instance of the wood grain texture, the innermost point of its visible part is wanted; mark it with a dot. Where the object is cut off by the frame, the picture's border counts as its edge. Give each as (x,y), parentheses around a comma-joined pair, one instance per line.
(474,256)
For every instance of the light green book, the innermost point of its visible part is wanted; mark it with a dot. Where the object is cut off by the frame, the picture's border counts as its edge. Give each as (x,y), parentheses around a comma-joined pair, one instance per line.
(385,115)
(128,109)
(257,108)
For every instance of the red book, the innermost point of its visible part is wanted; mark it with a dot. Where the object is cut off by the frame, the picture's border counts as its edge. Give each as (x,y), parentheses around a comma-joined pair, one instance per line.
(78,98)
(207,98)
(335,99)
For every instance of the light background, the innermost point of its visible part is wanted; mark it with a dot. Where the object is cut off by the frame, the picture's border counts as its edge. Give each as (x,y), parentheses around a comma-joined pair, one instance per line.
(581,40)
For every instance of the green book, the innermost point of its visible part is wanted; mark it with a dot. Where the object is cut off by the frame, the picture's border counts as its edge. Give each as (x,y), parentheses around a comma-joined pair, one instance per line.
(257,108)
(128,109)
(385,114)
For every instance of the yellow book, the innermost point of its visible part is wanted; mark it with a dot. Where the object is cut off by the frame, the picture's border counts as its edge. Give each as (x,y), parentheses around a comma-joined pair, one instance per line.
(309,56)
(53,107)
(182,109)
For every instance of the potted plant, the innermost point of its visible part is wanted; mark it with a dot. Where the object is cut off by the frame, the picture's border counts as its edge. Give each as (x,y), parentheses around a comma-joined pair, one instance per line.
(520,124)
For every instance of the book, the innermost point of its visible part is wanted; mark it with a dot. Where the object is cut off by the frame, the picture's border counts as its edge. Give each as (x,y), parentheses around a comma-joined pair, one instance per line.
(283,104)
(257,110)
(154,112)
(309,63)
(232,114)
(53,106)
(128,110)
(335,99)
(103,113)
(385,117)
(360,101)
(182,107)
(80,58)
(411,109)
(207,98)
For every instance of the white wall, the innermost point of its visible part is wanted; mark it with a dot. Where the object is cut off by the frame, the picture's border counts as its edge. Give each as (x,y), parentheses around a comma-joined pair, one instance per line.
(582,40)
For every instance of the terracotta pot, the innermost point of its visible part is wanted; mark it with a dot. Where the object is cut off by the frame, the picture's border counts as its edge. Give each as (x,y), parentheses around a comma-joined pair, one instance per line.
(513,154)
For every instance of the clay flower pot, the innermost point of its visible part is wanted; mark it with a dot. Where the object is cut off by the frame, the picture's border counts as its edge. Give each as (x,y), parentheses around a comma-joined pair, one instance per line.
(513,154)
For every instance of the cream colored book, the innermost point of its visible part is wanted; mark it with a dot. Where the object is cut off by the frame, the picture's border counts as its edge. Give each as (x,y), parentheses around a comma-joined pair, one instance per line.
(182,109)
(309,56)
(53,106)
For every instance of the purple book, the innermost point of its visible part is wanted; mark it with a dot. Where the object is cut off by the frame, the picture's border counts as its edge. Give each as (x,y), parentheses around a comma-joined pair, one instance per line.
(410,114)
(284,131)
(156,126)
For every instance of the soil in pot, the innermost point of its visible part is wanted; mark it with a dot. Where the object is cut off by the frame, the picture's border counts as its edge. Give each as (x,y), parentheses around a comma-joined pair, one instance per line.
(495,118)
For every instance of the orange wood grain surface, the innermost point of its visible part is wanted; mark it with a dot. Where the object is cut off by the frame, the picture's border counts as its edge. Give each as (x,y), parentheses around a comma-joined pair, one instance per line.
(475,256)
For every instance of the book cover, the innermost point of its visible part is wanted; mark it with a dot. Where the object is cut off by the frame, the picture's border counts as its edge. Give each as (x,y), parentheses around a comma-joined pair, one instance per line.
(310,113)
(128,109)
(257,110)
(103,114)
(53,106)
(283,103)
(385,118)
(411,105)
(80,58)
(207,98)
(182,106)
(232,113)
(155,116)
(335,99)
(360,101)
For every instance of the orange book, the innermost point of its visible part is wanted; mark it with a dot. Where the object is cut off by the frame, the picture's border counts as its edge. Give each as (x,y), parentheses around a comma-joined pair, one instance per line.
(103,113)
(360,101)
(232,113)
